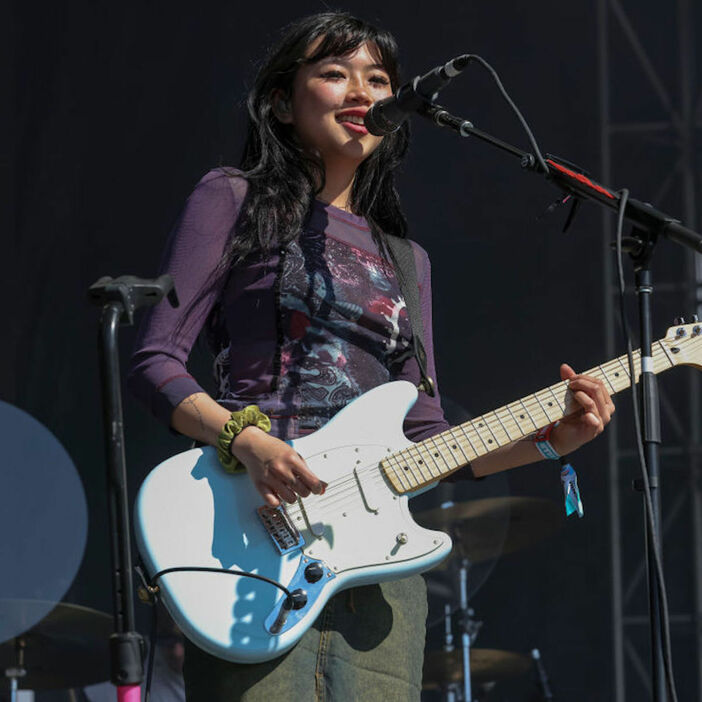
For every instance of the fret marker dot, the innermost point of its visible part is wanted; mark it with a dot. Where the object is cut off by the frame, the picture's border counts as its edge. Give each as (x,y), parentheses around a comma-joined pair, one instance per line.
(616,375)
(481,424)
(436,455)
(550,404)
(406,467)
(420,461)
(521,416)
(453,446)
(489,441)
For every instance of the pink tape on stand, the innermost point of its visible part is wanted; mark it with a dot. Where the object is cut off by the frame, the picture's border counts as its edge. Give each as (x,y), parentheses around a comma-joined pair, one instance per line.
(129,693)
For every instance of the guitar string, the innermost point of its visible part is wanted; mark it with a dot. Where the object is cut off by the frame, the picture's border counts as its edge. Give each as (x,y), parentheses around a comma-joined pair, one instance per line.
(346,486)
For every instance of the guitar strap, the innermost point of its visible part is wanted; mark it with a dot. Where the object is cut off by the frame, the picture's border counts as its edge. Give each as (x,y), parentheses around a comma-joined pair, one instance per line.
(406,268)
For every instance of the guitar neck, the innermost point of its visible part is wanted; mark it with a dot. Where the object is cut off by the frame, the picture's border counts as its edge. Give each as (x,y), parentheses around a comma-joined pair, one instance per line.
(434,458)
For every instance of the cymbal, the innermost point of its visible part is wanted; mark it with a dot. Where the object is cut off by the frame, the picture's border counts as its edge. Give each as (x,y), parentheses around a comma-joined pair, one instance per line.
(68,648)
(484,529)
(43,520)
(486,665)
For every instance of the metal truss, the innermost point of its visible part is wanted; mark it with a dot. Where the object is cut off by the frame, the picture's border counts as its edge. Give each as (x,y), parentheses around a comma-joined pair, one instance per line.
(640,52)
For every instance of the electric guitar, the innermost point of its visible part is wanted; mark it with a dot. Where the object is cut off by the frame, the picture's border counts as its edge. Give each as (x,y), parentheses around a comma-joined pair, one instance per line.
(189,512)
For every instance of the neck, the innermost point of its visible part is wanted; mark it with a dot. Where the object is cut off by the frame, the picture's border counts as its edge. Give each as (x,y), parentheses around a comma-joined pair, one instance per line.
(338,183)
(424,463)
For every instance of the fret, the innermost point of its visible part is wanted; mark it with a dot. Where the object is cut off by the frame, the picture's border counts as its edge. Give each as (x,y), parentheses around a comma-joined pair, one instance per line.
(516,421)
(458,443)
(504,428)
(521,402)
(429,452)
(606,377)
(494,440)
(439,452)
(666,353)
(419,463)
(559,403)
(451,446)
(552,410)
(462,427)
(548,419)
(415,455)
(480,436)
(398,472)
(626,369)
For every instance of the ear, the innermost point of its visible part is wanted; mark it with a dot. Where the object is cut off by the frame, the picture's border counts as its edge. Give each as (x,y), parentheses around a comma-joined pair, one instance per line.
(281,107)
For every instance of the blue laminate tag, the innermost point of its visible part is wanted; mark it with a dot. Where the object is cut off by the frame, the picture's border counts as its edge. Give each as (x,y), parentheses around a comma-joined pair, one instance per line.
(573,503)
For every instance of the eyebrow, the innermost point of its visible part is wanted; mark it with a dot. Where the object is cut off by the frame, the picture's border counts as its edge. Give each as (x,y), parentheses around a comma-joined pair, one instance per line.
(368,67)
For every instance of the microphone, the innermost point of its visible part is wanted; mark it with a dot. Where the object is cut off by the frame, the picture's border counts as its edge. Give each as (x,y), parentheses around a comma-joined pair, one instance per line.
(386,115)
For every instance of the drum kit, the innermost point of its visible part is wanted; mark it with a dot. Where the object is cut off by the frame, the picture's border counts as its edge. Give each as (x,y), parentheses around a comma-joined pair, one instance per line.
(50,646)
(482,530)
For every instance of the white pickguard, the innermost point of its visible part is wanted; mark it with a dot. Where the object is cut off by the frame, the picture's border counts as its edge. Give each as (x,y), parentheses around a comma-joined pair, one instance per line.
(189,512)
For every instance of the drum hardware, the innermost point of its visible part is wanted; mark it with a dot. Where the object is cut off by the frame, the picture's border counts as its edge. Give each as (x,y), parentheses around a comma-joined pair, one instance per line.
(482,530)
(67,649)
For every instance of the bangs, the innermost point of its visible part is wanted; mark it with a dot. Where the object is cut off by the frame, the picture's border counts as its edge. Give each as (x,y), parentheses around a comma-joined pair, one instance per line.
(345,36)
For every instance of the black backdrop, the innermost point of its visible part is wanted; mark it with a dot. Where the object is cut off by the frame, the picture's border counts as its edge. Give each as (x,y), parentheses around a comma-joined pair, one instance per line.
(118,110)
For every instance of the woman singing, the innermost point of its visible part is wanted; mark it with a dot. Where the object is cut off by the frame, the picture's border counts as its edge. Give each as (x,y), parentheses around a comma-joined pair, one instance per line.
(283,262)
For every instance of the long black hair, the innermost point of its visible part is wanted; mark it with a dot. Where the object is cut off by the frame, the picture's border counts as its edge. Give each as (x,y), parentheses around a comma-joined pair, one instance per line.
(283,178)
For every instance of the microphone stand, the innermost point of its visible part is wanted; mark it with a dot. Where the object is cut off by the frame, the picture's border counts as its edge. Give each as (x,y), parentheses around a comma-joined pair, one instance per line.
(119,298)
(649,224)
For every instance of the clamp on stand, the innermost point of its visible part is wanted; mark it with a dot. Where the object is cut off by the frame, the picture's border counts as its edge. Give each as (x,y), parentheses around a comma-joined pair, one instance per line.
(119,298)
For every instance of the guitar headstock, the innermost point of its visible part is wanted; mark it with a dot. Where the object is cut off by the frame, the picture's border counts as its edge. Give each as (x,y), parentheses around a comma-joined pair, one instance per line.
(684,344)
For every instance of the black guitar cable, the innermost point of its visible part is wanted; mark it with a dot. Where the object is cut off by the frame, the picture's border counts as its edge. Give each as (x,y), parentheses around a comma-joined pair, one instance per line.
(660,580)
(151,590)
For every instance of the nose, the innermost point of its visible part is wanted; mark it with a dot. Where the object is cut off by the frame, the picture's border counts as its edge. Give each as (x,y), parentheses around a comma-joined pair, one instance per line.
(358,92)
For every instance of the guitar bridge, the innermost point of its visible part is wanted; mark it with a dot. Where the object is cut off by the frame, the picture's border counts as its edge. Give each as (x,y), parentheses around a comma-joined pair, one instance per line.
(282,531)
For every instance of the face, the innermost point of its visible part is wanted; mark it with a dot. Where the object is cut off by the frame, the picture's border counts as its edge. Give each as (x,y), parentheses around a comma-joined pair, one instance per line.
(328,102)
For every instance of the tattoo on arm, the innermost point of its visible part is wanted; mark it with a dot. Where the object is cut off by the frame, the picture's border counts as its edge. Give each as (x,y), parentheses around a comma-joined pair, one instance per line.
(193,403)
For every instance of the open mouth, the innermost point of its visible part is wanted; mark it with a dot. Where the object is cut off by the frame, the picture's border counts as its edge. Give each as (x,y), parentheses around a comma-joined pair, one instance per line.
(353,123)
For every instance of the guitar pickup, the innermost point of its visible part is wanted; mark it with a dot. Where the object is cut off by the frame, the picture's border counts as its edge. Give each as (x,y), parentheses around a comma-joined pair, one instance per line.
(282,531)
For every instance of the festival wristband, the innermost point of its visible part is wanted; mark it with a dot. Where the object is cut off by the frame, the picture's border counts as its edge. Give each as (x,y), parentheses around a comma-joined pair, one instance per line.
(543,444)
(569,478)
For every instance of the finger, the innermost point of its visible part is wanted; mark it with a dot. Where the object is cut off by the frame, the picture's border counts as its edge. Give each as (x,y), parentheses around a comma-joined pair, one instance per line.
(299,486)
(567,372)
(587,404)
(268,495)
(596,390)
(306,476)
(282,490)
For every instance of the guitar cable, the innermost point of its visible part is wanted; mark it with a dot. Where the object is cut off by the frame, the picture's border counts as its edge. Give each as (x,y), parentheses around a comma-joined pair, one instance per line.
(648,502)
(148,593)
(660,579)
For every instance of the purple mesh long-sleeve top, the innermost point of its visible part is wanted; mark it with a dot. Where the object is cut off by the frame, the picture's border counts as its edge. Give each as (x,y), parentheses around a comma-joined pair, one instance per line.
(305,329)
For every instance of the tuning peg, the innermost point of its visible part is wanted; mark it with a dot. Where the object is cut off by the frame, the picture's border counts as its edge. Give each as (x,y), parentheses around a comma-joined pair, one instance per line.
(695,319)
(678,320)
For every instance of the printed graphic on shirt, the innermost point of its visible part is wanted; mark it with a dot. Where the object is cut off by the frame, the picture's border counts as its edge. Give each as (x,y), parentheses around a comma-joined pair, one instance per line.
(344,323)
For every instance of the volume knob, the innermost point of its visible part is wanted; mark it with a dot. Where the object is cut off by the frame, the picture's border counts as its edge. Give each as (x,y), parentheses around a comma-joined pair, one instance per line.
(314,572)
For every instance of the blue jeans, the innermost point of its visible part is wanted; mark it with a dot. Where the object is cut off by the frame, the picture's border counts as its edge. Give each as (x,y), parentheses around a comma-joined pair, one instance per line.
(367,644)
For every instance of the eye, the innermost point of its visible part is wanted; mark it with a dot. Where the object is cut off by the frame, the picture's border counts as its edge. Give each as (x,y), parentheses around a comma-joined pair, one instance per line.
(333,75)
(380,79)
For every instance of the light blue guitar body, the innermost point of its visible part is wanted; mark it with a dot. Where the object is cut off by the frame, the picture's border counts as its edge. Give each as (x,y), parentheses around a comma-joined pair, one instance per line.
(189,512)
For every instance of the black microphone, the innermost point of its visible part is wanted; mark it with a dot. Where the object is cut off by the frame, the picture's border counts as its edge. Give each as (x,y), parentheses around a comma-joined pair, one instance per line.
(386,115)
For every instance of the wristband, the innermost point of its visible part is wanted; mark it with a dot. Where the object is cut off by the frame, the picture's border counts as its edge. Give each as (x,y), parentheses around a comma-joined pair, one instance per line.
(543,444)
(573,503)
(249,416)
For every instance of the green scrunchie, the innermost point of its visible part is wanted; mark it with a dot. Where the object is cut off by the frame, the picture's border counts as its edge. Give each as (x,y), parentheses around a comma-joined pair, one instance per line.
(249,416)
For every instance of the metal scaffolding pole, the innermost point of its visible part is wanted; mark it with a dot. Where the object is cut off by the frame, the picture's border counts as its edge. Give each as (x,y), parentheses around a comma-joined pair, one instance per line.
(681,130)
